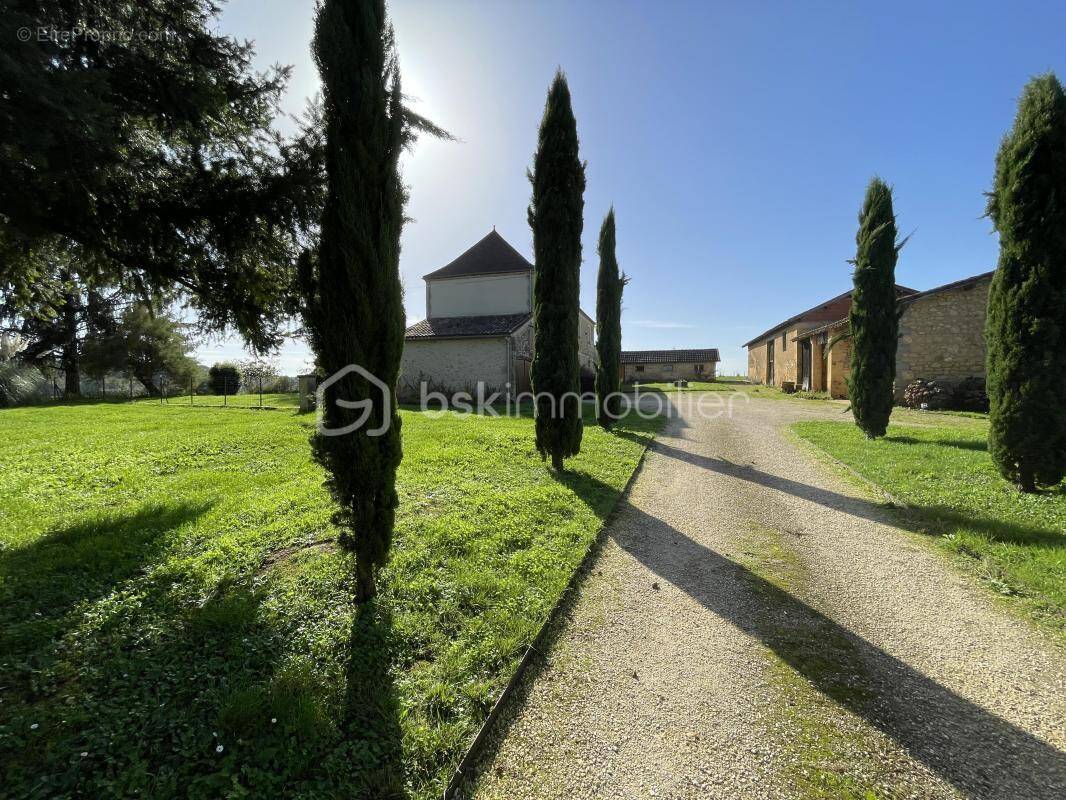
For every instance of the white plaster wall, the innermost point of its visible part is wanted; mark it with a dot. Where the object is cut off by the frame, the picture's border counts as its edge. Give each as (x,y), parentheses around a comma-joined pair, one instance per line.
(480,295)
(453,365)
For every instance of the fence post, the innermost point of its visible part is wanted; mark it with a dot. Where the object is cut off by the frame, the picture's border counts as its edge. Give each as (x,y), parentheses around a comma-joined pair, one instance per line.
(131,386)
(190,391)
(260,391)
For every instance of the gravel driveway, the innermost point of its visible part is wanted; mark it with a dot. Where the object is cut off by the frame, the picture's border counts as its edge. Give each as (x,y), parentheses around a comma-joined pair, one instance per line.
(754,626)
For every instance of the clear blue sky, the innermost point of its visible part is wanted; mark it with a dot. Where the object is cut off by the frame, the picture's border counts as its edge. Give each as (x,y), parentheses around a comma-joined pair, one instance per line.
(734,139)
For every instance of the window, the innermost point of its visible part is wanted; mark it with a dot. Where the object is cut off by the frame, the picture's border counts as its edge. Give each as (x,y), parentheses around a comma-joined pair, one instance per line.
(699,369)
(668,367)
(638,368)
(784,341)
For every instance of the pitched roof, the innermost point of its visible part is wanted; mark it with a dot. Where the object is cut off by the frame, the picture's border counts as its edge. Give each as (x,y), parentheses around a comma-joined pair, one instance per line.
(449,327)
(838,323)
(973,279)
(491,256)
(907,298)
(818,313)
(669,356)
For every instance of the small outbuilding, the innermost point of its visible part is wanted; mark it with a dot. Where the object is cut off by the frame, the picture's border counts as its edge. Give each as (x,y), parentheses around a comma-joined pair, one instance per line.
(649,366)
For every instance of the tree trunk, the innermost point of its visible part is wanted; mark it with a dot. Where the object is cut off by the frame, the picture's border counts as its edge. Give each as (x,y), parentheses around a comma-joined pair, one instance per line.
(365,586)
(1027,483)
(557,462)
(71,371)
(149,385)
(69,357)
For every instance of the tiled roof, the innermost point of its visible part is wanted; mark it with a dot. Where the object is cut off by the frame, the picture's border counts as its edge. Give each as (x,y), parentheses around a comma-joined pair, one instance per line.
(947,287)
(816,314)
(491,256)
(446,327)
(907,298)
(820,329)
(669,356)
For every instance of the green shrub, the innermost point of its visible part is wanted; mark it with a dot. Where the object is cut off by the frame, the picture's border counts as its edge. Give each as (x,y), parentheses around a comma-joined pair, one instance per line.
(225,378)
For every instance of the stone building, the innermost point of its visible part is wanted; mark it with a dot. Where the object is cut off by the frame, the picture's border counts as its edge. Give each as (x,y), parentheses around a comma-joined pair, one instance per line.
(942,333)
(941,337)
(669,365)
(789,353)
(479,325)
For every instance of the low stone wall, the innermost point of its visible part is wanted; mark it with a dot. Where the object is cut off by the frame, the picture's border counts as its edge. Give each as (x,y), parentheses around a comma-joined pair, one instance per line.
(941,336)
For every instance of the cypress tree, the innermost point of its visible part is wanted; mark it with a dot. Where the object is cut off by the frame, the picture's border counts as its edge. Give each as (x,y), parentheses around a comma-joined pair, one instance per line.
(874,318)
(558,178)
(1026,324)
(609,287)
(354,303)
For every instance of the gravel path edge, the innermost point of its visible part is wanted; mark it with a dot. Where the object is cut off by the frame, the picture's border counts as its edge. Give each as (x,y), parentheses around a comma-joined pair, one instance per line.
(466,770)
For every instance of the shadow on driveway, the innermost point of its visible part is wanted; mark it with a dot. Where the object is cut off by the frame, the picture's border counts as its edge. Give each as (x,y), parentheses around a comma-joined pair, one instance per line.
(975,750)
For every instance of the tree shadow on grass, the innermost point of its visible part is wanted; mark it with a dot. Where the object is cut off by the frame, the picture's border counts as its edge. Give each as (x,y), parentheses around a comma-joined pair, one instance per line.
(959,444)
(46,578)
(917,518)
(372,715)
(179,694)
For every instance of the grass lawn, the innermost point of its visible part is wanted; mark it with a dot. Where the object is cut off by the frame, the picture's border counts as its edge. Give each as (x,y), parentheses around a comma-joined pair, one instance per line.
(720,385)
(174,619)
(730,385)
(939,465)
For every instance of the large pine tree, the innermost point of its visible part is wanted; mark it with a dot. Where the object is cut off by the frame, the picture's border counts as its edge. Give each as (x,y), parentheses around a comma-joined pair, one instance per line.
(555,215)
(609,286)
(874,317)
(156,159)
(1026,325)
(354,307)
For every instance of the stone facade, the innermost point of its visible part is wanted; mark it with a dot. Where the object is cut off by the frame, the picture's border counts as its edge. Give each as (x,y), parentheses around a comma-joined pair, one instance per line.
(454,365)
(941,335)
(838,365)
(524,340)
(689,371)
(783,339)
(786,358)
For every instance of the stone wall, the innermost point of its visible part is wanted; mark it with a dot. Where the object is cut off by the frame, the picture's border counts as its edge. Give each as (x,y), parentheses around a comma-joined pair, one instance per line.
(668,372)
(757,363)
(525,340)
(838,366)
(453,365)
(786,357)
(941,336)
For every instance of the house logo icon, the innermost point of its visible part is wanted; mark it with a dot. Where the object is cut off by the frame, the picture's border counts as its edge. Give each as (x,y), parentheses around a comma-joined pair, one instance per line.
(366,406)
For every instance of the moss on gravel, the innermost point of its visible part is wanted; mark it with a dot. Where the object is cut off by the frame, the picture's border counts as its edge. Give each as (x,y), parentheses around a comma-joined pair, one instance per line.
(826,761)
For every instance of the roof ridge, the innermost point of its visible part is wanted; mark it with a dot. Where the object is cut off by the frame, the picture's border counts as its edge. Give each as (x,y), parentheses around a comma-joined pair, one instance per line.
(491,254)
